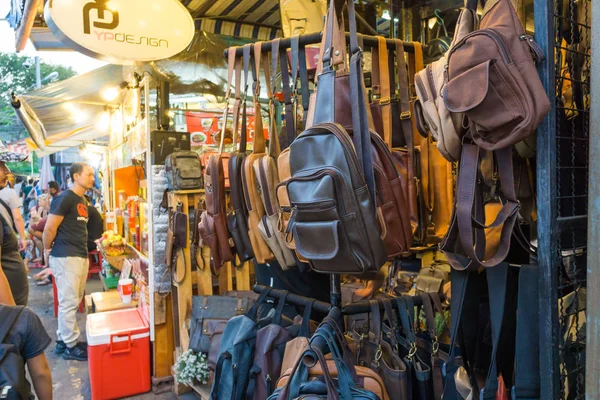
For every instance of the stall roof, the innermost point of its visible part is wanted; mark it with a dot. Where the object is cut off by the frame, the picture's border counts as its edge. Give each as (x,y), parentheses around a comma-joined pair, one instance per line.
(69,112)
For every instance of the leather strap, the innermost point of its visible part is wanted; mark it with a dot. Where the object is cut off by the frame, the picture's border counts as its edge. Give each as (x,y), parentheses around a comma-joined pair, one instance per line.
(259,137)
(304,89)
(289,100)
(230,68)
(271,79)
(238,100)
(385,92)
(375,69)
(527,351)
(404,97)
(10,315)
(305,328)
(246,64)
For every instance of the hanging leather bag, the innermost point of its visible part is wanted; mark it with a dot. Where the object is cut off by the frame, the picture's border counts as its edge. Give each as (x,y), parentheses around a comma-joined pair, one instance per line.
(237,219)
(492,78)
(256,210)
(435,119)
(265,169)
(333,208)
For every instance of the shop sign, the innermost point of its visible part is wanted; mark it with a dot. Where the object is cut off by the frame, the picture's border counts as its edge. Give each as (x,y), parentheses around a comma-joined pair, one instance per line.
(122,31)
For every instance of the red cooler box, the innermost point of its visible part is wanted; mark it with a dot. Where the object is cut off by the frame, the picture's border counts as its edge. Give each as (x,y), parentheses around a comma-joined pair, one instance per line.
(118,354)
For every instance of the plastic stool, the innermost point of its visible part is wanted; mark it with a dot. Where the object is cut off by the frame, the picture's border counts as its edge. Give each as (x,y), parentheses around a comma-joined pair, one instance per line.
(55,297)
(95,259)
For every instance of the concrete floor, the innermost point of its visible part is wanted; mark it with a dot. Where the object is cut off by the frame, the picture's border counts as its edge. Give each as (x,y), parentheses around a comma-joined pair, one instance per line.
(70,378)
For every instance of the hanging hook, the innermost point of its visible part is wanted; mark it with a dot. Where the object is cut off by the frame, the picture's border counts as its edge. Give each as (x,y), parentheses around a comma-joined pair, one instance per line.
(440,20)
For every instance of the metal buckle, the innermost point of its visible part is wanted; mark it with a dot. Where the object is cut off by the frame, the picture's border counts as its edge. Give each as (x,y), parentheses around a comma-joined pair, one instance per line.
(386,100)
(405,115)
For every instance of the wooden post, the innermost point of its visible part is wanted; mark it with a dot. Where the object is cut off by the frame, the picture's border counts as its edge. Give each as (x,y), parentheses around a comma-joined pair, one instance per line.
(204,276)
(242,276)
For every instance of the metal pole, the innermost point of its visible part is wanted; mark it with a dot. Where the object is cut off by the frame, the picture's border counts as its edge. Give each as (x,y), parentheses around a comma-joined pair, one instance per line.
(38,73)
(592,372)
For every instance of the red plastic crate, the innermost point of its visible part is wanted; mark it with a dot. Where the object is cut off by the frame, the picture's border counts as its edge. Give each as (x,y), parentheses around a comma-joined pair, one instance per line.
(118,354)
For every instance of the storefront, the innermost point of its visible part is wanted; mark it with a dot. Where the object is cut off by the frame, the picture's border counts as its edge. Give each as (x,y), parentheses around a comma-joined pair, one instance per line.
(452,184)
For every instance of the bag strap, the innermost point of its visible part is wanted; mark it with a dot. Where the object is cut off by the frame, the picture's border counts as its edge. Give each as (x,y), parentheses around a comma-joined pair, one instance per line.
(271,83)
(527,380)
(304,89)
(9,211)
(259,137)
(244,131)
(279,310)
(252,312)
(237,102)
(288,96)
(305,328)
(230,68)
(385,91)
(10,315)
(375,320)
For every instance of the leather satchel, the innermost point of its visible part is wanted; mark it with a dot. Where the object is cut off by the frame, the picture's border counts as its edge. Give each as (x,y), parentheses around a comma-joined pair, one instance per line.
(432,278)
(492,78)
(256,210)
(237,218)
(177,237)
(265,169)
(210,314)
(333,208)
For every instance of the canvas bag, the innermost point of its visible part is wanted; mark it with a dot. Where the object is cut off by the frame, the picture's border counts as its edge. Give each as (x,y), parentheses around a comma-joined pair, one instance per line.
(183,170)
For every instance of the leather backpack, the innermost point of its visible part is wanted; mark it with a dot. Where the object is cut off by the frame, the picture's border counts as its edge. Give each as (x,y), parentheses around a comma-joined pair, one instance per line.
(256,210)
(183,170)
(237,218)
(332,188)
(492,78)
(265,169)
(433,116)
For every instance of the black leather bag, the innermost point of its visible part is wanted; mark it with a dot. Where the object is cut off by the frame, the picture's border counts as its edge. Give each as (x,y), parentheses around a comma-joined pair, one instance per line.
(237,218)
(334,222)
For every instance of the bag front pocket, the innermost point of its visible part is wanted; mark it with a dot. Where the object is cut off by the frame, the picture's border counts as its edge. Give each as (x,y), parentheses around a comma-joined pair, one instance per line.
(486,94)
(209,236)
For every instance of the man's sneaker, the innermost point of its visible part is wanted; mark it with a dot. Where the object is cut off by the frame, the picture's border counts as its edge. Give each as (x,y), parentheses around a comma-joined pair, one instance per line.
(77,353)
(60,347)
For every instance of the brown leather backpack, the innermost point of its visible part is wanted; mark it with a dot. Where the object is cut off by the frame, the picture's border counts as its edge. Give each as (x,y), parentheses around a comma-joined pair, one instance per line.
(256,210)
(492,78)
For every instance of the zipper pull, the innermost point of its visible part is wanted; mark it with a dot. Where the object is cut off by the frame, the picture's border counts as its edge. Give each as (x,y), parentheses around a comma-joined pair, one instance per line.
(290,224)
(268,383)
(536,50)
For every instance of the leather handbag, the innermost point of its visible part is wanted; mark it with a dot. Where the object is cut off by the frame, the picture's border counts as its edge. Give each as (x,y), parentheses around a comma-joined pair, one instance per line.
(492,78)
(295,347)
(213,223)
(432,277)
(177,237)
(333,210)
(265,169)
(256,210)
(372,352)
(237,218)
(362,381)
(435,119)
(210,314)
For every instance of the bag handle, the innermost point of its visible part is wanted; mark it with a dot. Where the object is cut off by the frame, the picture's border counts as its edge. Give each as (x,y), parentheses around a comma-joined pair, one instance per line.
(279,310)
(385,91)
(271,82)
(230,68)
(259,137)
(297,377)
(304,89)
(289,97)
(393,324)
(244,132)
(261,300)
(305,327)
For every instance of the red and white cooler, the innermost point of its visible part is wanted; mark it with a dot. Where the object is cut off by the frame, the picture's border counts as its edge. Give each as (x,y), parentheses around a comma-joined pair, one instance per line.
(118,354)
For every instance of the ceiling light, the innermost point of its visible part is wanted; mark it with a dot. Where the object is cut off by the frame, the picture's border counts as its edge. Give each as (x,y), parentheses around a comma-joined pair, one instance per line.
(110,93)
(104,122)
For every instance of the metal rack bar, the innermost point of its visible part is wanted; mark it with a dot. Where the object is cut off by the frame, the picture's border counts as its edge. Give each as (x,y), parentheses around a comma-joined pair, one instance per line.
(315,38)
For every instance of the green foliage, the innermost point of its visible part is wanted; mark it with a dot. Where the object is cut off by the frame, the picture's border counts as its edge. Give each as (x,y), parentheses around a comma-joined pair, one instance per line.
(14,77)
(24,168)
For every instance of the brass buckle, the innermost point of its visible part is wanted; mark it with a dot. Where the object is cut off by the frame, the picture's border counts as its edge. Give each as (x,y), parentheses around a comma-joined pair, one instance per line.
(386,100)
(405,115)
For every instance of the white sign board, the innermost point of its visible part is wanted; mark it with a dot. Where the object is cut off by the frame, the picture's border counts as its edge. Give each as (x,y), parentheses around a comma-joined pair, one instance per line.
(122,31)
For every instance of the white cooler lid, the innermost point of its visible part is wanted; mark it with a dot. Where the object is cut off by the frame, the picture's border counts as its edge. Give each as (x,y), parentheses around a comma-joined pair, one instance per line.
(100,326)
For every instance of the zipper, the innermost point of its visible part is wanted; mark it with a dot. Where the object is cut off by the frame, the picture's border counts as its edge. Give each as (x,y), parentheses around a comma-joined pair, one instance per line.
(266,196)
(288,228)
(245,185)
(268,381)
(419,81)
(235,373)
(492,34)
(306,206)
(536,50)
(339,183)
(429,70)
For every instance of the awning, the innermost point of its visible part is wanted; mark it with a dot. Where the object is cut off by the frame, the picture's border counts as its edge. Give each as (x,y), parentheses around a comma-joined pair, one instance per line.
(71,112)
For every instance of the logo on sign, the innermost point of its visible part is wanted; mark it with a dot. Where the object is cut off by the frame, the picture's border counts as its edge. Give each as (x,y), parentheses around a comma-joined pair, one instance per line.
(101,7)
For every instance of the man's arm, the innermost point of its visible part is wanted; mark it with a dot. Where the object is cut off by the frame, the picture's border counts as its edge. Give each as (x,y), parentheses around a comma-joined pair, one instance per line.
(50,230)
(41,376)
(20,223)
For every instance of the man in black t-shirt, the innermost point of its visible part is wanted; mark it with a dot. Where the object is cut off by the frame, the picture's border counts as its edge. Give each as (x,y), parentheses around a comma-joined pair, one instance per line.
(95,225)
(65,242)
